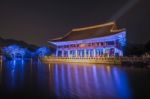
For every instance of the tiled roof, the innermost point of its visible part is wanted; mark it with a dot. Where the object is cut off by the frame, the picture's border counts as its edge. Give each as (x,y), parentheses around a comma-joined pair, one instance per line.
(90,32)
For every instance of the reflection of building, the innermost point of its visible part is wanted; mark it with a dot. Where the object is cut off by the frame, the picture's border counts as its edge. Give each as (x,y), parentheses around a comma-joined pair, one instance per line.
(93,41)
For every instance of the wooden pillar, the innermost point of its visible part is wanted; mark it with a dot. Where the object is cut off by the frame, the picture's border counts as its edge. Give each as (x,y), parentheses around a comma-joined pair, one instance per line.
(56,54)
(85,53)
(89,53)
(114,51)
(103,51)
(99,52)
(62,53)
(76,53)
(121,53)
(68,53)
(94,52)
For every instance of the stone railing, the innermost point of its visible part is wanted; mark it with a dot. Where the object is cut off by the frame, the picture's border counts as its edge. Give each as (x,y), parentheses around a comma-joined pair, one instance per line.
(100,60)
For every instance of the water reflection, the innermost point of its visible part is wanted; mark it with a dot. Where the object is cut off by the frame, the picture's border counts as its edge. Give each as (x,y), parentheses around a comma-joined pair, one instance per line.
(14,74)
(87,82)
(66,81)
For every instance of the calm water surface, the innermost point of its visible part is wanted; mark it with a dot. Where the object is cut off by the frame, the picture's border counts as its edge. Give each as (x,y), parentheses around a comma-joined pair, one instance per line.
(26,79)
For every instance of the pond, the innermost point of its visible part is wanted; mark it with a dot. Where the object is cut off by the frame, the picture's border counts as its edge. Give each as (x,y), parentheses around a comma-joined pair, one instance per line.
(36,80)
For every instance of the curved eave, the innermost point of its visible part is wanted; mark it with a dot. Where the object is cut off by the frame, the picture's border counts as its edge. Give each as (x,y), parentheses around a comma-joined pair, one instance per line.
(118,30)
(60,38)
(84,28)
(93,27)
(104,38)
(113,32)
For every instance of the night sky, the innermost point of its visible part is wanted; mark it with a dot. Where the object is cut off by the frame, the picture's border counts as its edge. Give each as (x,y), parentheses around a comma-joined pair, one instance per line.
(38,21)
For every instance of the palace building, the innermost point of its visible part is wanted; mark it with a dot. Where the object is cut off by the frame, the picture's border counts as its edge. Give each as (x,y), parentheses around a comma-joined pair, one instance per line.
(104,40)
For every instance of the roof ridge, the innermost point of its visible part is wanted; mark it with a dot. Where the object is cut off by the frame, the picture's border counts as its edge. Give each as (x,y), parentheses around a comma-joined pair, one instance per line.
(94,26)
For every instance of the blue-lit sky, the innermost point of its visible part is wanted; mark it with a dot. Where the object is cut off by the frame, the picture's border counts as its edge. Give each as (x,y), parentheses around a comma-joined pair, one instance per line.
(38,21)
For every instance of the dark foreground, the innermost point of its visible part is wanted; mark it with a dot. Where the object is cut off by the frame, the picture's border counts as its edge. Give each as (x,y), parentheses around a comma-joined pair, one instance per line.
(34,80)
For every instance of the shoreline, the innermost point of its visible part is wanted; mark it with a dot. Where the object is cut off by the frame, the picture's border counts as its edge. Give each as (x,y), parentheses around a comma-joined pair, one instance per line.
(98,60)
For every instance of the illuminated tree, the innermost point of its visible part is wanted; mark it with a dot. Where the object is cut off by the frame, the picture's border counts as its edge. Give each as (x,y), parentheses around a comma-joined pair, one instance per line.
(14,51)
(43,51)
(22,52)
